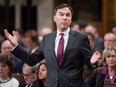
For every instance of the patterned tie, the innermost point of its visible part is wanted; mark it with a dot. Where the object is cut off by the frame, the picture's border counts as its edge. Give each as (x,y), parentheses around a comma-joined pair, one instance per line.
(60,48)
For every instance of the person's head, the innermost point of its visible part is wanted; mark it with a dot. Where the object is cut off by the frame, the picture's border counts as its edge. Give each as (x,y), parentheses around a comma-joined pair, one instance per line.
(79,26)
(31,39)
(42,71)
(6,66)
(91,28)
(19,33)
(109,39)
(114,28)
(6,47)
(44,31)
(63,17)
(29,74)
(109,56)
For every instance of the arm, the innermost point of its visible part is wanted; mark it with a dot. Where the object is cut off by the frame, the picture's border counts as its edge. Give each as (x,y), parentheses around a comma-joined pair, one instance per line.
(90,59)
(22,54)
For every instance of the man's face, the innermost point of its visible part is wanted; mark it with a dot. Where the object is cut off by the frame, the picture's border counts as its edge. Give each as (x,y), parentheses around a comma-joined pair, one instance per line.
(109,40)
(63,18)
(28,75)
(6,47)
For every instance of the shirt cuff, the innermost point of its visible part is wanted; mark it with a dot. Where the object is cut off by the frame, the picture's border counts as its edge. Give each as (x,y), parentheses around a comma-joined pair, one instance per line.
(14,47)
(93,65)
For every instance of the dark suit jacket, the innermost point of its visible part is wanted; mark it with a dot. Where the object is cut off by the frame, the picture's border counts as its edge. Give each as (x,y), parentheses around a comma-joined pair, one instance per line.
(69,72)
(96,80)
(35,84)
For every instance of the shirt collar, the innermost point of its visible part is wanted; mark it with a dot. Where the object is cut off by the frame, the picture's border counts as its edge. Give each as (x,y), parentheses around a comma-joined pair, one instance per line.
(66,32)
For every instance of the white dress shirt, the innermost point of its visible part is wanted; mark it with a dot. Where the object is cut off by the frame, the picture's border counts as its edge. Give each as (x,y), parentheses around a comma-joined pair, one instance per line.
(58,36)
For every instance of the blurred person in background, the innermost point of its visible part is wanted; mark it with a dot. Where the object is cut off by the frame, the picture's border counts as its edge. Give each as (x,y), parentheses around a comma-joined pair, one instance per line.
(20,36)
(31,40)
(79,26)
(113,27)
(99,43)
(107,74)
(5,49)
(44,31)
(109,39)
(6,68)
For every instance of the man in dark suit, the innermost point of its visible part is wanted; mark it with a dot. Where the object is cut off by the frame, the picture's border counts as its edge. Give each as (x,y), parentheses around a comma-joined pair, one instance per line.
(65,52)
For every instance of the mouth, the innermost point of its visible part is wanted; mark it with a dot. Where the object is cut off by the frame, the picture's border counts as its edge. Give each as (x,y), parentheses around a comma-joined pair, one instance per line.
(64,23)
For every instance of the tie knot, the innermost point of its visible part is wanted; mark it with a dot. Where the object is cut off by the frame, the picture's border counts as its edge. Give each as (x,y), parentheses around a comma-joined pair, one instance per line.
(61,34)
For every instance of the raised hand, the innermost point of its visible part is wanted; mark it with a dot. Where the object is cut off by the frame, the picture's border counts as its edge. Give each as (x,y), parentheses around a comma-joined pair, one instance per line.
(95,57)
(12,38)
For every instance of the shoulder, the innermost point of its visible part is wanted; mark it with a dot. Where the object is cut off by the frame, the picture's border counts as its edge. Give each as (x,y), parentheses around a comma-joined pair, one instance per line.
(77,34)
(14,80)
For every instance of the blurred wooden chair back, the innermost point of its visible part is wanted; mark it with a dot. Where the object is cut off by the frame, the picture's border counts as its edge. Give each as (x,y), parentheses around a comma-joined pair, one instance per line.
(111,85)
(19,77)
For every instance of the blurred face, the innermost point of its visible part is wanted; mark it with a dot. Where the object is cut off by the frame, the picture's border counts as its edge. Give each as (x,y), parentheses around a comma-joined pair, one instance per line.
(28,42)
(90,29)
(6,47)
(28,76)
(111,59)
(4,71)
(114,30)
(109,39)
(63,18)
(76,28)
(42,72)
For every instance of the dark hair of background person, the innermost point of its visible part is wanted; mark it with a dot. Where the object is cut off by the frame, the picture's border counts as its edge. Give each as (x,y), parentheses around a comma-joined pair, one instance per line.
(82,24)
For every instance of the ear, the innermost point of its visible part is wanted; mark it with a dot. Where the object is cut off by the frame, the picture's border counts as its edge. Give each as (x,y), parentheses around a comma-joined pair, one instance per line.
(54,19)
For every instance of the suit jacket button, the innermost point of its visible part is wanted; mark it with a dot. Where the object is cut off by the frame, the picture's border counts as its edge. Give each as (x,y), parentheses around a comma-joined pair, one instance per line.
(56,79)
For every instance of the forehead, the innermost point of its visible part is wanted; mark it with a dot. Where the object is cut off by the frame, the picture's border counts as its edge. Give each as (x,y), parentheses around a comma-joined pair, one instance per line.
(109,36)
(6,44)
(64,10)
(42,66)
(2,64)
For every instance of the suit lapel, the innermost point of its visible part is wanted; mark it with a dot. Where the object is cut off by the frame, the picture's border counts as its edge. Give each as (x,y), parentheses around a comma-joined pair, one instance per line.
(70,43)
(52,44)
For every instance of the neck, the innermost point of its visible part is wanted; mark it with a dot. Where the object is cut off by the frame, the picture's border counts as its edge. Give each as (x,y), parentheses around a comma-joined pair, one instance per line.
(111,71)
(5,77)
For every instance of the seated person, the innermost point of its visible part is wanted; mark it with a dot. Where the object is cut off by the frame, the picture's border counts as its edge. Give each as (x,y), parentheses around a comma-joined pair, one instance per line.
(6,68)
(105,74)
(5,49)
(30,77)
(42,72)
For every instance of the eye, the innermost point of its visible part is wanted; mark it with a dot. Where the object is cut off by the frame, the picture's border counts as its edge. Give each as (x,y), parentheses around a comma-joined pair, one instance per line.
(61,14)
(68,15)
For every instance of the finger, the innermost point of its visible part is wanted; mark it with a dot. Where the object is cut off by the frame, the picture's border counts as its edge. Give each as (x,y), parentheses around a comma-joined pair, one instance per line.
(14,33)
(6,33)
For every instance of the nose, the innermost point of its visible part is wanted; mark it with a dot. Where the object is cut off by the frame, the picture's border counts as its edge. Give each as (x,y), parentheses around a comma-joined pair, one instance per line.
(64,17)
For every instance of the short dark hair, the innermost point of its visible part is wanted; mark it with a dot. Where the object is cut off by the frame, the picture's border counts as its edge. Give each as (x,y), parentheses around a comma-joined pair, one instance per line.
(7,60)
(63,6)
(113,24)
(82,24)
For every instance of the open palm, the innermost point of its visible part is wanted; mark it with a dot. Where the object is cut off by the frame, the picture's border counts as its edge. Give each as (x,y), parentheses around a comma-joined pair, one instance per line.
(12,38)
